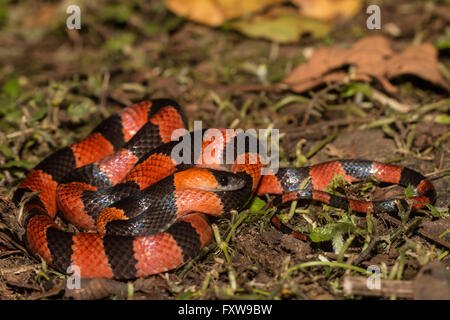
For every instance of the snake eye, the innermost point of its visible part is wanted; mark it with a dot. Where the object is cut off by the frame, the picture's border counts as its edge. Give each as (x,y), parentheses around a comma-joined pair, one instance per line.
(222,179)
(227,181)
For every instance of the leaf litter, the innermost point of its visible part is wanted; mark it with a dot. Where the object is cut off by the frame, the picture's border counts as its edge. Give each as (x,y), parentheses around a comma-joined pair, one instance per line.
(373,59)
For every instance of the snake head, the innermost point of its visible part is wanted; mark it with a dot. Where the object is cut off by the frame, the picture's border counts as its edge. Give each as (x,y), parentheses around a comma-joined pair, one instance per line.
(208,180)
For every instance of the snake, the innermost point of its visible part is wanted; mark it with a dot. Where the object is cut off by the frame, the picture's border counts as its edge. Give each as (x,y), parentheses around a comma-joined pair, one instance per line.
(134,209)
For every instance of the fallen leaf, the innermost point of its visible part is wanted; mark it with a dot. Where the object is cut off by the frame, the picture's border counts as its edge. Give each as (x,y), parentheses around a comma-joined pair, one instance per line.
(216,12)
(328,9)
(437,227)
(373,59)
(280,24)
(419,60)
(432,282)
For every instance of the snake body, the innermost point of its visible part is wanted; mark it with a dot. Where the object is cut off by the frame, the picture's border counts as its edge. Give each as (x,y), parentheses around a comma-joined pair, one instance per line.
(143,213)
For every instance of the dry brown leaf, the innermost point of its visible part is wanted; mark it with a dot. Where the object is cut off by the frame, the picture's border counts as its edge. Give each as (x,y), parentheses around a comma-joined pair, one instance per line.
(432,282)
(328,9)
(372,58)
(436,227)
(216,12)
(420,60)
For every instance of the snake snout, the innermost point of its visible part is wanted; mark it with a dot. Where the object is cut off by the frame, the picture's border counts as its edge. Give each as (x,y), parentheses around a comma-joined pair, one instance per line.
(227,181)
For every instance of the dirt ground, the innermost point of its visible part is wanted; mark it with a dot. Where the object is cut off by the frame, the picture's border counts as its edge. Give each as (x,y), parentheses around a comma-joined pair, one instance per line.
(58,85)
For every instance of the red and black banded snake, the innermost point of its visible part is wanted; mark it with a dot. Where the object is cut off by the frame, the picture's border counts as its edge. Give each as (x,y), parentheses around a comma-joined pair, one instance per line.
(143,213)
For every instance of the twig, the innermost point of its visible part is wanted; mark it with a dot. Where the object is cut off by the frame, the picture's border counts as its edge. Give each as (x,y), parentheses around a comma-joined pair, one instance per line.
(315,100)
(387,288)
(20,269)
(248,87)
(365,254)
(332,264)
(423,233)
(435,173)
(193,261)
(7,253)
(104,93)
(385,100)
(20,133)
(314,128)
